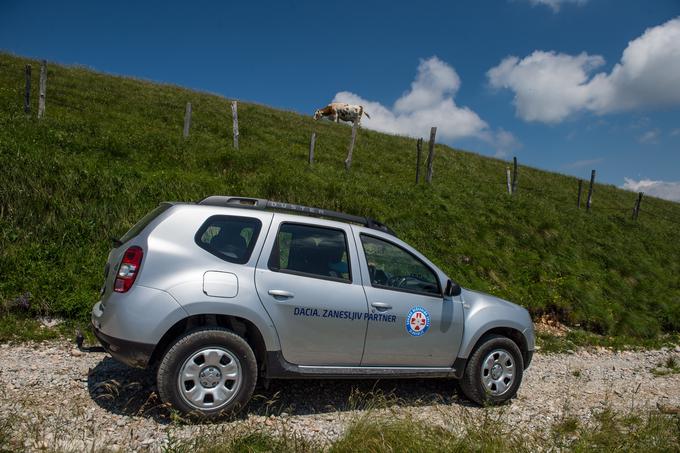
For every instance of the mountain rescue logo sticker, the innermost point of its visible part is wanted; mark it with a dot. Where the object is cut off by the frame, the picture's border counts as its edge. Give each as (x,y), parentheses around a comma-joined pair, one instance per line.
(417,321)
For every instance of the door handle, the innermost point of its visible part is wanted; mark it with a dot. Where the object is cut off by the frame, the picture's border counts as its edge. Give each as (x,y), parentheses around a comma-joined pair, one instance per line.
(279,293)
(381,306)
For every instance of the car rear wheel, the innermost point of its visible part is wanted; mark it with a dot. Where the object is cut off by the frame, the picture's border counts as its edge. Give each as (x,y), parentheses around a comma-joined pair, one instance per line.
(207,372)
(494,371)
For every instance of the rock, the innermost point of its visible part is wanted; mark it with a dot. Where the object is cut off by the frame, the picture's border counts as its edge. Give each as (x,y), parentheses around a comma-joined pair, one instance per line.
(47,321)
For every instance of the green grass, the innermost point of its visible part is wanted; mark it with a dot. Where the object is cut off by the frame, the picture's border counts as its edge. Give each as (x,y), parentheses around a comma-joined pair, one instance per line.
(374,432)
(608,431)
(111,148)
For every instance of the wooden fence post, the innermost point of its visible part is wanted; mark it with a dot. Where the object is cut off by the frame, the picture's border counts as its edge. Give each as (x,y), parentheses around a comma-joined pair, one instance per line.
(580,187)
(234,116)
(312,142)
(636,209)
(430,155)
(43,89)
(27,97)
(514,175)
(419,152)
(348,161)
(508,180)
(590,190)
(187,119)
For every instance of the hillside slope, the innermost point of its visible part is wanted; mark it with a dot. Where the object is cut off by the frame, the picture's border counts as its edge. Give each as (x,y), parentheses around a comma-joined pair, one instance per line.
(111,148)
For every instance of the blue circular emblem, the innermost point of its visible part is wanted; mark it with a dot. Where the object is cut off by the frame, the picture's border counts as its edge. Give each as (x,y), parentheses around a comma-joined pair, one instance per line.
(417,321)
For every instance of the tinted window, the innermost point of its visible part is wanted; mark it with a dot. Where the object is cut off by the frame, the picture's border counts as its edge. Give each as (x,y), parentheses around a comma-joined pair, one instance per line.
(312,251)
(228,237)
(147,219)
(392,267)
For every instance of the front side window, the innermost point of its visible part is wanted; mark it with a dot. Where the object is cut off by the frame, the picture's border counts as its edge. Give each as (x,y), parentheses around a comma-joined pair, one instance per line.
(229,237)
(311,251)
(392,267)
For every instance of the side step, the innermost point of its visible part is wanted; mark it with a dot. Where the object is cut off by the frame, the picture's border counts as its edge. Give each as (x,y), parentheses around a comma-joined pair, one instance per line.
(279,368)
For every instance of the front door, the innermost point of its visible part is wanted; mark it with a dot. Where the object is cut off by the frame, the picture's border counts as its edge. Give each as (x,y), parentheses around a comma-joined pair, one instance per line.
(308,280)
(413,324)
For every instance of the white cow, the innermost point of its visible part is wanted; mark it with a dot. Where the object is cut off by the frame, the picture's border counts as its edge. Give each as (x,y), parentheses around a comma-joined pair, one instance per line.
(337,111)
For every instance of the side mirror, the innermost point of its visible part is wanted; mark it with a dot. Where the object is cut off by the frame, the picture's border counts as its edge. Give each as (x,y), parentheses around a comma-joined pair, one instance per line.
(452,289)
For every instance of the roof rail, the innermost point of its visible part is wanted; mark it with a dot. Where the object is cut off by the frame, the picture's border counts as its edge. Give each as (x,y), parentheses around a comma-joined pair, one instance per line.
(264,205)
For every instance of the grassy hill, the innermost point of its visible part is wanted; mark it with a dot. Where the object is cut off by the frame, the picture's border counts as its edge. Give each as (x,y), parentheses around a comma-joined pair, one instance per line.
(111,148)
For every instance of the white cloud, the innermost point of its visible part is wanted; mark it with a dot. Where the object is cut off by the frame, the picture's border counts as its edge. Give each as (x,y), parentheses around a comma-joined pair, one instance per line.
(430,102)
(650,137)
(551,86)
(504,142)
(556,4)
(548,86)
(660,189)
(675,132)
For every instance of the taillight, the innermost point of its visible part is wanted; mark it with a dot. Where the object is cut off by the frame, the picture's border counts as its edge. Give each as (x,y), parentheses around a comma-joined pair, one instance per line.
(128,269)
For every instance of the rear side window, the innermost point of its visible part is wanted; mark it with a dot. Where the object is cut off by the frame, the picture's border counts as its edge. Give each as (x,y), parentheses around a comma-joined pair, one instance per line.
(311,251)
(230,238)
(147,219)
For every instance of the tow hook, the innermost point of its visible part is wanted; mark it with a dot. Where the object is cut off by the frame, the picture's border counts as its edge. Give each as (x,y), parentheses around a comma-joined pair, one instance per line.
(80,338)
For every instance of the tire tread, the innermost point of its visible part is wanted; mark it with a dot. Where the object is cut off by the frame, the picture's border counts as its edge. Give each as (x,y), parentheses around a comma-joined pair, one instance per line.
(470,382)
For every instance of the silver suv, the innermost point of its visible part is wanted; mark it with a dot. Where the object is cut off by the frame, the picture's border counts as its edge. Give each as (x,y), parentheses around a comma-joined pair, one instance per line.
(218,293)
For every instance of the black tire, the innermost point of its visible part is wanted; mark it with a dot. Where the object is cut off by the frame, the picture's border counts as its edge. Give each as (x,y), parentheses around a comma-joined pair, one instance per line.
(473,381)
(192,344)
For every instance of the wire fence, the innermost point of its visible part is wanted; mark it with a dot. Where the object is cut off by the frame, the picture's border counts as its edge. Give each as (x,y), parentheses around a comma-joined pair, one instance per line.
(635,209)
(577,201)
(512,183)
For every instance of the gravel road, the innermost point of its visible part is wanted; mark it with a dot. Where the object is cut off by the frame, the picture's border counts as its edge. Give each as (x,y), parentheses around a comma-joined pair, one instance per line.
(57,397)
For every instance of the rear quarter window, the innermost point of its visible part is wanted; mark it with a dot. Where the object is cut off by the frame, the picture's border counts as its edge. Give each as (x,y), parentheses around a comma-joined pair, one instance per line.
(230,238)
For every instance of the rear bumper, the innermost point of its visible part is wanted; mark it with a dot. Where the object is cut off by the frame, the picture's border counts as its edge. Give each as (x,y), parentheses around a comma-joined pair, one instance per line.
(131,353)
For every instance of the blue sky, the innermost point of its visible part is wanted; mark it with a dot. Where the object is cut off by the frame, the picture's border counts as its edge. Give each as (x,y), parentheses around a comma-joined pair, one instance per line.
(565,85)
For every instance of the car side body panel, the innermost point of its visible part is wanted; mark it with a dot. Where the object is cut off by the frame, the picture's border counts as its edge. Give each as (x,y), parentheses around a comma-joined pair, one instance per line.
(175,265)
(126,316)
(390,344)
(322,321)
(484,312)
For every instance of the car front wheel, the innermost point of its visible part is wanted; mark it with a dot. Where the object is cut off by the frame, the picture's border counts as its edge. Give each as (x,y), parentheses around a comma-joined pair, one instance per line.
(494,371)
(208,372)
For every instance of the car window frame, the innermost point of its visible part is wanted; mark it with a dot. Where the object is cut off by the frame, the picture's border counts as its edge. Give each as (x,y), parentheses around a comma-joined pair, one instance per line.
(348,281)
(210,222)
(440,293)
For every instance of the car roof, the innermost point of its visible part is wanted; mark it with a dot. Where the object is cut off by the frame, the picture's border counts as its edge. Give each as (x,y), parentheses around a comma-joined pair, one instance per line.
(274,206)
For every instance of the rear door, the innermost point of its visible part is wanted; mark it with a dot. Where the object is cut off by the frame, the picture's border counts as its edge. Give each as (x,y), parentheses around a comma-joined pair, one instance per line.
(309,282)
(411,322)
